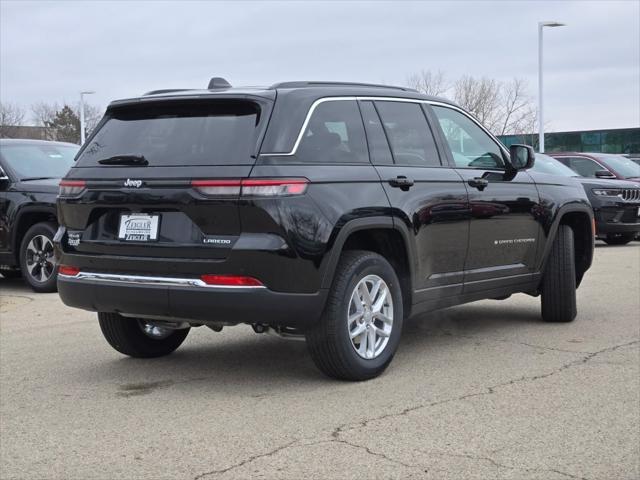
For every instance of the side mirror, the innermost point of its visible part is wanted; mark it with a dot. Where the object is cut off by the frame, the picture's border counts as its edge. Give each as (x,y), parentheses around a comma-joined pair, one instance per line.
(604,174)
(522,157)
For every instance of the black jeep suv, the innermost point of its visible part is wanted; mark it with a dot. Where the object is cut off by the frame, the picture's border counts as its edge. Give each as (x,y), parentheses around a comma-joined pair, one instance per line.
(30,171)
(615,203)
(329,210)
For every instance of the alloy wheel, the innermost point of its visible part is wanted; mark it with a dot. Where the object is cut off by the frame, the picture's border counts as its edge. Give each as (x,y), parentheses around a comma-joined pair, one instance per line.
(370,317)
(40,258)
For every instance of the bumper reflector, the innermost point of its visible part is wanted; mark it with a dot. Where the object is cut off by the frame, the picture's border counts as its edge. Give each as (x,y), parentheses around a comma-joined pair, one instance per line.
(231,280)
(68,270)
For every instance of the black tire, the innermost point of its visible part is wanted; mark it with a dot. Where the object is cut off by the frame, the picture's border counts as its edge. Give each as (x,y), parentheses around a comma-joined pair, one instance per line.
(559,279)
(619,239)
(10,274)
(329,342)
(48,285)
(126,336)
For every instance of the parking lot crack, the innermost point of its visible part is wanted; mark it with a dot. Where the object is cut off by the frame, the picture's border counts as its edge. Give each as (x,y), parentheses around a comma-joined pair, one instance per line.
(497,464)
(336,439)
(490,390)
(581,361)
(246,461)
(568,475)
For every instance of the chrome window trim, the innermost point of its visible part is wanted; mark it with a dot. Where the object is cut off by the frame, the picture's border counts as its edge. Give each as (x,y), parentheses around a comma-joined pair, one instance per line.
(151,281)
(319,101)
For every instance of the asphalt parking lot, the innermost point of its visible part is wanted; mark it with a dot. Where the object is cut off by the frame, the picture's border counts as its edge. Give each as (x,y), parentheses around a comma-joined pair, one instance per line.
(482,391)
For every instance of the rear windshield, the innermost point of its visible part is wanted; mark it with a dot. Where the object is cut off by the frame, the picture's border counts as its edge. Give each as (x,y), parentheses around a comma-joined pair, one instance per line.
(211,133)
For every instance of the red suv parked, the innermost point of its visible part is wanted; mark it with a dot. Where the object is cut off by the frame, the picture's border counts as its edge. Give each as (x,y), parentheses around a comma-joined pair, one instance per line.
(600,165)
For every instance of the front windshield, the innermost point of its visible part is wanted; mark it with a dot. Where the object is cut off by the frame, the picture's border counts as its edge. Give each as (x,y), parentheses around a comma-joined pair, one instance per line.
(551,166)
(39,160)
(623,165)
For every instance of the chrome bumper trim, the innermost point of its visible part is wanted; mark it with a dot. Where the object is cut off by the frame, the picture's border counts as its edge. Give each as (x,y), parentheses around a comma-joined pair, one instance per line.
(152,281)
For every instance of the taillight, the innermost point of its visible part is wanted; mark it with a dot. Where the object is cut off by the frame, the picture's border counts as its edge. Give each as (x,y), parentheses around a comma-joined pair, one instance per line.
(231,281)
(252,187)
(71,188)
(277,187)
(217,187)
(68,270)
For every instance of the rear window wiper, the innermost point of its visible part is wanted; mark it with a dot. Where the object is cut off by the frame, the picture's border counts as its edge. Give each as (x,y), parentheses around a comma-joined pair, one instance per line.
(124,160)
(27,179)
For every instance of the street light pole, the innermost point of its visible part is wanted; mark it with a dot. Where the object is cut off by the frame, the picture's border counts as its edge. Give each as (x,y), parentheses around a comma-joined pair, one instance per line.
(541,25)
(82,126)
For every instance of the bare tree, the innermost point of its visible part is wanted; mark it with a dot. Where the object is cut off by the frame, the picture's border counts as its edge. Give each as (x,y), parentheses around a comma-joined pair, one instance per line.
(429,83)
(11,116)
(43,115)
(517,110)
(481,97)
(92,116)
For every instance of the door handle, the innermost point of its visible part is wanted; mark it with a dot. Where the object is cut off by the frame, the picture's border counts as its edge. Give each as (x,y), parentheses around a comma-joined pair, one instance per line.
(401,182)
(479,183)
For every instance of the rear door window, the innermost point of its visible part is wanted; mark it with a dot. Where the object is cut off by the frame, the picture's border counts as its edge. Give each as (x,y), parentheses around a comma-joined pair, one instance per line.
(334,134)
(411,140)
(172,134)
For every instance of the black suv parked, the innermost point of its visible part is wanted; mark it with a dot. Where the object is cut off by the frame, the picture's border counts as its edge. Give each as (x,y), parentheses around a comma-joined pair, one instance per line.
(329,210)
(30,171)
(615,203)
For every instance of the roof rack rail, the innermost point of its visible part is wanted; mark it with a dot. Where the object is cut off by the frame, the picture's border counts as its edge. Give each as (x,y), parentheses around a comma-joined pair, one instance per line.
(166,90)
(303,84)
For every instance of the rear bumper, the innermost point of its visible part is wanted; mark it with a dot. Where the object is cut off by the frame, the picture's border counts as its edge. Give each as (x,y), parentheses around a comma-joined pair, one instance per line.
(189,300)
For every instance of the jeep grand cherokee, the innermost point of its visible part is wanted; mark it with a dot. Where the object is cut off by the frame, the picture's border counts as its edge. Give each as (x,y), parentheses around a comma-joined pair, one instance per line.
(331,211)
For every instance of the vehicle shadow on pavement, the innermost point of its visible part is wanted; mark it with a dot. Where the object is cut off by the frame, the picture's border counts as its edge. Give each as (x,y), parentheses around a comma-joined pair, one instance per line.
(472,319)
(258,365)
(16,284)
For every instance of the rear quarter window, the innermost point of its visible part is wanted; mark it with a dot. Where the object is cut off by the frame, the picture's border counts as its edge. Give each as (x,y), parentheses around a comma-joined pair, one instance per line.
(194,133)
(334,134)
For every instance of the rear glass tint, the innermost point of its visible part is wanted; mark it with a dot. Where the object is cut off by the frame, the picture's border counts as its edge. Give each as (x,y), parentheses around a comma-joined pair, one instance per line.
(203,133)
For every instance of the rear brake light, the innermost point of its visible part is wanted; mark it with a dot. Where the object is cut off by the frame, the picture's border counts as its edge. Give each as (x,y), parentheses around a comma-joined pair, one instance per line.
(71,188)
(276,187)
(68,270)
(217,187)
(231,280)
(262,187)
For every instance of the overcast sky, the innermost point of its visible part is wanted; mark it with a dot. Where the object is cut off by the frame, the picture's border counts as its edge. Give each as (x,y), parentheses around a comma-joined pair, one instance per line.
(49,51)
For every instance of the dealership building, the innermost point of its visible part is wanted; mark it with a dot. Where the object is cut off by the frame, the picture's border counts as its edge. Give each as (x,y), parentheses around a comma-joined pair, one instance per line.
(617,140)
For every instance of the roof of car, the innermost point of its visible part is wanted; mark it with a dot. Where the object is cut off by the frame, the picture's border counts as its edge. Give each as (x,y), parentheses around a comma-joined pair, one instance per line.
(596,155)
(30,141)
(317,89)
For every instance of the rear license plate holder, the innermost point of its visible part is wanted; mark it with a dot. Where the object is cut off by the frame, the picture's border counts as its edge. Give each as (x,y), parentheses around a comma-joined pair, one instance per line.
(139,227)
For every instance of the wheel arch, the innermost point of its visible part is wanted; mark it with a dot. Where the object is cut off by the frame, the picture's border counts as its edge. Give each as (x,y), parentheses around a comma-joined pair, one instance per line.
(580,219)
(380,235)
(26,218)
